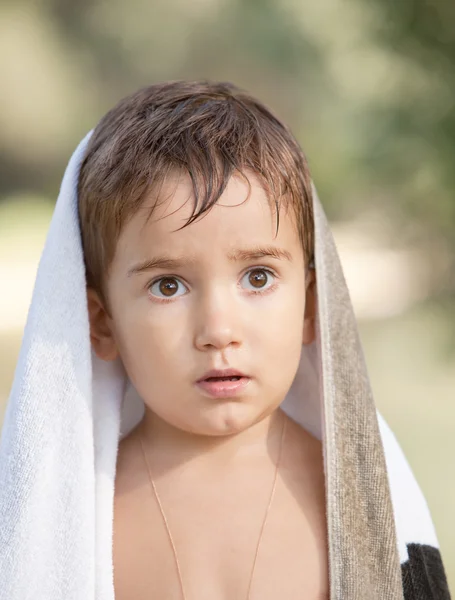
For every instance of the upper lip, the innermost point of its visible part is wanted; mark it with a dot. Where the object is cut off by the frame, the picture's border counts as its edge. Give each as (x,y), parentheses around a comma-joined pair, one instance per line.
(222,373)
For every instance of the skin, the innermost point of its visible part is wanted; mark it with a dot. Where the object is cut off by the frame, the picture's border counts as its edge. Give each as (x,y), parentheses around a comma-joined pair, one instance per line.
(213,460)
(213,319)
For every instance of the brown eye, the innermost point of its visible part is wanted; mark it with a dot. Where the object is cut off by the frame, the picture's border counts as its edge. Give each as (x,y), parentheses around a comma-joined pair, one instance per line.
(166,287)
(257,278)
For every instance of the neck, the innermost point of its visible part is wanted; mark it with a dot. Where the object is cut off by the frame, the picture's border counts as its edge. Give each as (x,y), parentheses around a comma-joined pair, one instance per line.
(171,446)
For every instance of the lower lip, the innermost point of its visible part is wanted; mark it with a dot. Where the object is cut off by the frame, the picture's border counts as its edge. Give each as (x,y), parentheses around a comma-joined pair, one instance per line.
(224,389)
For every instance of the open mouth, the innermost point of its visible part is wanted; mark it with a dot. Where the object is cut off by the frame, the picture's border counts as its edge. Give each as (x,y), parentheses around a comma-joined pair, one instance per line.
(232,378)
(224,387)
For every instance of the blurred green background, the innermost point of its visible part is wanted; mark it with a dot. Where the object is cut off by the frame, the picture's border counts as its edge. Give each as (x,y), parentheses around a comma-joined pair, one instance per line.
(367,87)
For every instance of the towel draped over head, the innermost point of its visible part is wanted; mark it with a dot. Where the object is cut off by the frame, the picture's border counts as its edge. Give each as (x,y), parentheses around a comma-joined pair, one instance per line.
(68,410)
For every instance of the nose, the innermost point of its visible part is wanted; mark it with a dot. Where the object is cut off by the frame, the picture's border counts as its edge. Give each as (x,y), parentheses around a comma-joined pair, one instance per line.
(217,321)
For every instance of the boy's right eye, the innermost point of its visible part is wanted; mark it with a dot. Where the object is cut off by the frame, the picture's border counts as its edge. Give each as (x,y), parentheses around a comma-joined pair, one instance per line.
(167,286)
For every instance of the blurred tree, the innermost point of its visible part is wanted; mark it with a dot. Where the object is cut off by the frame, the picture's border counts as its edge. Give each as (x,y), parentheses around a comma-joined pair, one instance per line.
(107,49)
(413,135)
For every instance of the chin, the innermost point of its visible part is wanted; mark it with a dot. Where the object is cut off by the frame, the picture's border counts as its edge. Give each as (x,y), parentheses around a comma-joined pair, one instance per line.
(231,418)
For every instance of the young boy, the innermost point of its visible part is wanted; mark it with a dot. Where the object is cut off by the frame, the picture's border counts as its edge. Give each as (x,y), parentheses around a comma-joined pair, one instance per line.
(191,416)
(209,320)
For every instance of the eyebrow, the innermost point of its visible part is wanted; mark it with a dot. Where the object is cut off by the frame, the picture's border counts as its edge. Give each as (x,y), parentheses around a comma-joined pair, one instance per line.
(237,255)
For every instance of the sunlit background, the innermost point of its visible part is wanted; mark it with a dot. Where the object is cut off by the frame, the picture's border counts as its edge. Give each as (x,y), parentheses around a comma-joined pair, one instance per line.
(367,87)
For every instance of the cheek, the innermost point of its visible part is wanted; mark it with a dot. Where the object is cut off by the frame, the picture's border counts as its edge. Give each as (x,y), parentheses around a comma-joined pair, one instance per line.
(283,319)
(148,344)
(284,349)
(279,337)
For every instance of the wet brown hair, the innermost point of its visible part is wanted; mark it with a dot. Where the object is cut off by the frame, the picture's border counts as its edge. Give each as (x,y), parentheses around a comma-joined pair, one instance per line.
(206,130)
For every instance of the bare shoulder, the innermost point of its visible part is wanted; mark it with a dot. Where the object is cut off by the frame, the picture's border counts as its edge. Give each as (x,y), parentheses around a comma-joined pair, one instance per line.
(299,525)
(129,468)
(303,476)
(304,453)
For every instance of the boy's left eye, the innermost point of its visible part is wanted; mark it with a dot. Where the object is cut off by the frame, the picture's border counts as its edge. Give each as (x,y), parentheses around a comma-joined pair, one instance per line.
(258,278)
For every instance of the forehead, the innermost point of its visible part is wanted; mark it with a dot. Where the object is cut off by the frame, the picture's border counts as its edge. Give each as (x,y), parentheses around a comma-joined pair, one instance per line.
(242,217)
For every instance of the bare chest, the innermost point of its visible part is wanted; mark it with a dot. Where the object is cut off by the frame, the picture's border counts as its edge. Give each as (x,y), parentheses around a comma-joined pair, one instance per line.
(215,531)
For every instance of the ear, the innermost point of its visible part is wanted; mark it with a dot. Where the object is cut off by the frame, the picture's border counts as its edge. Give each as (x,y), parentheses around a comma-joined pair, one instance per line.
(101,332)
(309,327)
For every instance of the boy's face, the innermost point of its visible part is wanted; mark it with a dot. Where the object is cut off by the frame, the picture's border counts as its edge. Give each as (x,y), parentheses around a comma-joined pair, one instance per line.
(172,324)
